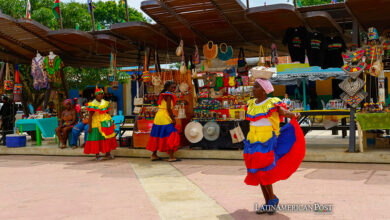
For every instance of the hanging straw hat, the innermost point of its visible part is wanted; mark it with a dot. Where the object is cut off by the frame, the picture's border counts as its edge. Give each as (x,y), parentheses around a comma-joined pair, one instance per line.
(194,132)
(211,131)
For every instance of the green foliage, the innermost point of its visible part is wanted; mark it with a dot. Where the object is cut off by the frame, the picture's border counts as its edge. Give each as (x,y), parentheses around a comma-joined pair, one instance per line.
(81,78)
(106,13)
(316,2)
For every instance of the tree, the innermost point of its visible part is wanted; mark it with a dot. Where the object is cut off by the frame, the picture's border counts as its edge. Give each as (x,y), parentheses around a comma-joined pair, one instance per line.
(106,13)
(316,2)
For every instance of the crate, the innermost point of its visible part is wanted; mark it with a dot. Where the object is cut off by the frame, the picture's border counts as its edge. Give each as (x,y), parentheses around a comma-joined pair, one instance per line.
(14,140)
(125,141)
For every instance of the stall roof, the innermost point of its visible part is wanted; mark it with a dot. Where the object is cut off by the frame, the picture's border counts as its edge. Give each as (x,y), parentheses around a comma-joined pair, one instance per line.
(194,21)
(371,13)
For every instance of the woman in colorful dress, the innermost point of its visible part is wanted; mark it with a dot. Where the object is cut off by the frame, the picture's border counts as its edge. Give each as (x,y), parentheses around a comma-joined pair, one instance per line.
(271,154)
(164,136)
(67,121)
(101,135)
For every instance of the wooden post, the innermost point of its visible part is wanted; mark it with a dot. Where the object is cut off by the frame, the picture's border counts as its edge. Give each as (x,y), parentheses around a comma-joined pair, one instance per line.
(304,94)
(352,123)
(127,11)
(59,10)
(247,3)
(92,16)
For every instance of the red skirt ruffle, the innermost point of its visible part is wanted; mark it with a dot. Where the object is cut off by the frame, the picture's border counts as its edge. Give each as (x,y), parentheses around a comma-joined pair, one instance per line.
(287,164)
(164,144)
(103,146)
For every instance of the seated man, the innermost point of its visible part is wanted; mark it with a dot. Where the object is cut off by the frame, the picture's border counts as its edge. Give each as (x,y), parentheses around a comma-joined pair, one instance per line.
(81,126)
(51,109)
(67,121)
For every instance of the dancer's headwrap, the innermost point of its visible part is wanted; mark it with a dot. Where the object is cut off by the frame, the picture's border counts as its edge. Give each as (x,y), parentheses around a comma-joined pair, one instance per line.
(98,91)
(67,101)
(266,84)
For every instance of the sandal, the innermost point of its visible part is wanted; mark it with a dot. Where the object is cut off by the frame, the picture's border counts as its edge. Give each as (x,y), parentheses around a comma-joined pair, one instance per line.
(74,147)
(274,203)
(156,159)
(63,147)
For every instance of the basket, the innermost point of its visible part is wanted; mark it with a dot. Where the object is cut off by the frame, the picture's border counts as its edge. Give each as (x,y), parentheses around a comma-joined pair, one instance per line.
(261,72)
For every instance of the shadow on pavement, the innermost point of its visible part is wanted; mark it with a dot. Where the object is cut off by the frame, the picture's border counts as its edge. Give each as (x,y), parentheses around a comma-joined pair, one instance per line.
(243,214)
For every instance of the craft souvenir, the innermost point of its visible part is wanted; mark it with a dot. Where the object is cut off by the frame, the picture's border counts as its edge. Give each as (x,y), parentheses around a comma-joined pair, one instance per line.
(194,132)
(230,71)
(351,87)
(376,68)
(210,50)
(211,131)
(242,65)
(232,81)
(156,80)
(53,64)
(219,82)
(182,112)
(196,59)
(8,84)
(353,56)
(274,55)
(183,66)
(261,56)
(226,53)
(354,70)
(209,80)
(38,73)
(354,100)
(179,50)
(237,135)
(245,80)
(372,34)
(261,72)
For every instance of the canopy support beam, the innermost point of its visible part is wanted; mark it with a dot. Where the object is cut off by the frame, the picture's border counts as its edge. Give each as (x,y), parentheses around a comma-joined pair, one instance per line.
(183,21)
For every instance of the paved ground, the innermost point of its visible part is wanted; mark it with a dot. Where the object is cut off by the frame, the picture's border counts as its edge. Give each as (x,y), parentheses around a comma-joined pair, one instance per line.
(38,187)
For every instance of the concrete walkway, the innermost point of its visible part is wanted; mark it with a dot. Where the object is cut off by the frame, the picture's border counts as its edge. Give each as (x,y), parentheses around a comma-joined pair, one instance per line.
(41,187)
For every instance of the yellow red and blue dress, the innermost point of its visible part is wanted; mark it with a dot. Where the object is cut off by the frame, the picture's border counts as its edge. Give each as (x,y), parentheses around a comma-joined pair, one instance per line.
(164,135)
(271,153)
(102,138)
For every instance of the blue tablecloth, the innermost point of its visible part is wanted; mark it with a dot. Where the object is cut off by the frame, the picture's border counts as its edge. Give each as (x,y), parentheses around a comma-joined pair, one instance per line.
(47,126)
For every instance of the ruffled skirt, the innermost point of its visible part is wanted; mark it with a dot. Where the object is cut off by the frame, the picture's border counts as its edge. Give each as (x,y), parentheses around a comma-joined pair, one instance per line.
(270,158)
(163,138)
(97,143)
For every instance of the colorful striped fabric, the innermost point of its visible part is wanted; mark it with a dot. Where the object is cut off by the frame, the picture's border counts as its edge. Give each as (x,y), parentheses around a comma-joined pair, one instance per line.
(275,159)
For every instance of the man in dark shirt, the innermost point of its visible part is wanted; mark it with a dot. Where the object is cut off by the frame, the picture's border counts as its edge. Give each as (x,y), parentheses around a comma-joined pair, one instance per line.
(7,113)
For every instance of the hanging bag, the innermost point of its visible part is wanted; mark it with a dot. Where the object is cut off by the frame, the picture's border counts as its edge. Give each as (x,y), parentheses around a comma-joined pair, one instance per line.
(138,100)
(196,59)
(242,65)
(17,87)
(237,134)
(146,77)
(8,84)
(261,56)
(226,53)
(182,112)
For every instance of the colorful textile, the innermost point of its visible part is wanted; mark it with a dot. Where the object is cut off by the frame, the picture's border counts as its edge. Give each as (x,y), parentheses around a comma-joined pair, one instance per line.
(270,158)
(373,121)
(56,9)
(266,84)
(271,154)
(102,138)
(38,73)
(268,109)
(53,67)
(164,135)
(28,10)
(98,91)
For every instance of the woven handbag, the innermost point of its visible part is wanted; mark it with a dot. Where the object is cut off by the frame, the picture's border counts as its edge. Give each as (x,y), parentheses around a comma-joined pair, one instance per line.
(351,87)
(242,65)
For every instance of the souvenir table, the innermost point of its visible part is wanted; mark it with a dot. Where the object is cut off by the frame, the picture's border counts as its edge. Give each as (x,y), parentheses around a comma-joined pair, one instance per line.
(224,140)
(338,113)
(370,121)
(44,126)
